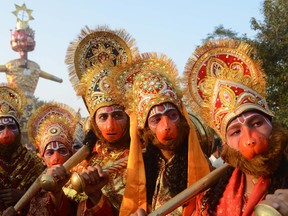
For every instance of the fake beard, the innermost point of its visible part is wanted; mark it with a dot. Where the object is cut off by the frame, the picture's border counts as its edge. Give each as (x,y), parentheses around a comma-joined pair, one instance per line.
(172,145)
(7,150)
(264,164)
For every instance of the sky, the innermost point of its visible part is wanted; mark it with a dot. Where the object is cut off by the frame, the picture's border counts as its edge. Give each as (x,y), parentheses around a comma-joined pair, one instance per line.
(174,28)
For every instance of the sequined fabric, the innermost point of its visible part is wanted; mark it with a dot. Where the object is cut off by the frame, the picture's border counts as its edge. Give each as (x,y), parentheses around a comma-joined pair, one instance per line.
(20,171)
(114,190)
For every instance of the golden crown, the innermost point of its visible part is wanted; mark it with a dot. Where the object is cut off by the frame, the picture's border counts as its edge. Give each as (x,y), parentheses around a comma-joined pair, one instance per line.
(152,80)
(222,81)
(98,87)
(12,102)
(93,49)
(52,122)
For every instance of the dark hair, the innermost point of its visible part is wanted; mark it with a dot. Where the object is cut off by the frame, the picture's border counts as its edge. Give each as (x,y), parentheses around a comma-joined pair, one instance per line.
(175,173)
(217,143)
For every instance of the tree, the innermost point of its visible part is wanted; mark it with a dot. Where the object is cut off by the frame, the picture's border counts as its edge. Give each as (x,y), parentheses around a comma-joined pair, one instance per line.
(221,32)
(271,43)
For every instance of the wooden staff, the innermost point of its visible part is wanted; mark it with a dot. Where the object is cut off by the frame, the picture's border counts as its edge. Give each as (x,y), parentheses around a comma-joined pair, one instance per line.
(29,194)
(38,183)
(48,183)
(196,188)
(77,181)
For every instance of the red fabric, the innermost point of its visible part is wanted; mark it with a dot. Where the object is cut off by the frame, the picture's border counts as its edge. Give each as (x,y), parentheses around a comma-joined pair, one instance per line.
(67,208)
(232,202)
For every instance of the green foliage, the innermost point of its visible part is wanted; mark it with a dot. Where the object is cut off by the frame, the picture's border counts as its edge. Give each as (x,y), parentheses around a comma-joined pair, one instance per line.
(221,32)
(271,43)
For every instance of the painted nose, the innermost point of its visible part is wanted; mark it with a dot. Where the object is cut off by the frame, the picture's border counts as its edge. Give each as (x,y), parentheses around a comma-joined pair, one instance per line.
(165,123)
(248,139)
(251,142)
(110,124)
(6,132)
(55,158)
(7,136)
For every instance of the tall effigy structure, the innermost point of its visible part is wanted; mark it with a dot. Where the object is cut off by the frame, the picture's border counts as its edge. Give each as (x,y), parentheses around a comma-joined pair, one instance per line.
(24,73)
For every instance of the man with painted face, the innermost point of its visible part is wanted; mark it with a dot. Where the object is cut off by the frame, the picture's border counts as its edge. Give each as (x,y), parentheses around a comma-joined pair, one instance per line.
(111,126)
(94,59)
(163,122)
(165,131)
(105,194)
(51,130)
(112,123)
(19,168)
(229,88)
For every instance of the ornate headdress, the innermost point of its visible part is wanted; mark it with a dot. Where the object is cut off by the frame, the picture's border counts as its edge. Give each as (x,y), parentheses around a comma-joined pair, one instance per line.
(222,81)
(155,82)
(92,57)
(12,102)
(99,89)
(52,122)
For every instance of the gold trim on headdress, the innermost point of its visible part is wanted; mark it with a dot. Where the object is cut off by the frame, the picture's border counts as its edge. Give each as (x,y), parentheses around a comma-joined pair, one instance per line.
(99,46)
(156,81)
(153,80)
(221,81)
(12,102)
(52,122)
(99,89)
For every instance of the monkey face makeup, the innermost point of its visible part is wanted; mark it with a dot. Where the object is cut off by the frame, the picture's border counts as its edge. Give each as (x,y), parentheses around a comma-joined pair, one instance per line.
(8,131)
(163,121)
(56,153)
(249,134)
(112,121)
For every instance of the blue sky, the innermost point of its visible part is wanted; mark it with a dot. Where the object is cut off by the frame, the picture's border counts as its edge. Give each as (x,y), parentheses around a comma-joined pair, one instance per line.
(174,28)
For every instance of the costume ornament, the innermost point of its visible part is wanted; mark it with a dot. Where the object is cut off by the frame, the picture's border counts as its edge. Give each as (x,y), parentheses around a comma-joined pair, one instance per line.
(92,57)
(52,122)
(12,102)
(221,81)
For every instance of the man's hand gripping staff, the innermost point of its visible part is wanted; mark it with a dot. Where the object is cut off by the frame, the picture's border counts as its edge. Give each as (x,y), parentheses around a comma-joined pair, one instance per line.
(47,182)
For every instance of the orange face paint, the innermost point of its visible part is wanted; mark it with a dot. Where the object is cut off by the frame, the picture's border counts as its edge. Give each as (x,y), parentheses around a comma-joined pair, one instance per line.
(8,130)
(163,120)
(249,134)
(112,121)
(56,153)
